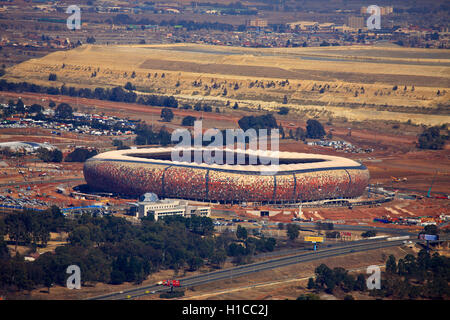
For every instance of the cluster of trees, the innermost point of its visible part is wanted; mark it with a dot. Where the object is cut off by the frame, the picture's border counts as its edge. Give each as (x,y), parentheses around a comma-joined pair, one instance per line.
(64,111)
(314,129)
(299,134)
(166,114)
(120,145)
(189,25)
(267,121)
(292,231)
(80,155)
(425,276)
(112,250)
(47,155)
(145,135)
(431,138)
(118,94)
(31,227)
(330,279)
(160,101)
(246,246)
(19,107)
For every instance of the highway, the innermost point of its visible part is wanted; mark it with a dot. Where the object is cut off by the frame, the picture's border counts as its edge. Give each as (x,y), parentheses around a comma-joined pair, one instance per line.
(357,246)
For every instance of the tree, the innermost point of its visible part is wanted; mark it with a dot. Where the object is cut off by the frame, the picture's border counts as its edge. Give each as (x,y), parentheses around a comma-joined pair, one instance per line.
(166,114)
(292,231)
(20,106)
(35,108)
(267,121)
(241,233)
(188,121)
(283,110)
(80,155)
(431,138)
(314,129)
(360,284)
(391,265)
(47,155)
(430,229)
(64,111)
(218,258)
(57,155)
(129,86)
(282,133)
(300,134)
(311,284)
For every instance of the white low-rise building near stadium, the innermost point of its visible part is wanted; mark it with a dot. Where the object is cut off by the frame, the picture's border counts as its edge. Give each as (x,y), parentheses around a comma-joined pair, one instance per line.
(150,205)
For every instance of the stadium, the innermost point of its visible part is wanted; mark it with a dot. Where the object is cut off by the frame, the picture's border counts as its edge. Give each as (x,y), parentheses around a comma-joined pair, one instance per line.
(300,177)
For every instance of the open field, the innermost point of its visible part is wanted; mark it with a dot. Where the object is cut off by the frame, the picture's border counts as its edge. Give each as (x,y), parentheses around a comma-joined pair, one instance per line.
(356,83)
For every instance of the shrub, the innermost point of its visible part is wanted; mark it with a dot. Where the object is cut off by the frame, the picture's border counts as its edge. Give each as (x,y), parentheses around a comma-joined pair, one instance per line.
(170,295)
(188,121)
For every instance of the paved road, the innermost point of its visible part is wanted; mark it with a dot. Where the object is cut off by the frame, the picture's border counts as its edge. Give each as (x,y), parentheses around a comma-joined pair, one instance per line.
(240,271)
(405,232)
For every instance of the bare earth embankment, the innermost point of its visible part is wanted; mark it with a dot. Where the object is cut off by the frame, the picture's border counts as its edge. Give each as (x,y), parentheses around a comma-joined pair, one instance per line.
(353,83)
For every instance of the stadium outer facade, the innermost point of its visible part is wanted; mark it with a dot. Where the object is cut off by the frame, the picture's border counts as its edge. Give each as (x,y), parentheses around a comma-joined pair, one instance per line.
(128,172)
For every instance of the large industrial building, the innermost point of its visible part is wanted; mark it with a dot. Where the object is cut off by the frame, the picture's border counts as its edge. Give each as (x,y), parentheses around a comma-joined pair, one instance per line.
(300,177)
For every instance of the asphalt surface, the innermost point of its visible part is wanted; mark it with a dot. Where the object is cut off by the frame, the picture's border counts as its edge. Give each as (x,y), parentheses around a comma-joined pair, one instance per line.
(243,270)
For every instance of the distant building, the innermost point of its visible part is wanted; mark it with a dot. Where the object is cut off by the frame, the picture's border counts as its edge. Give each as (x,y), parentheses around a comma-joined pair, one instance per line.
(257,23)
(151,205)
(303,25)
(356,22)
(383,10)
(327,26)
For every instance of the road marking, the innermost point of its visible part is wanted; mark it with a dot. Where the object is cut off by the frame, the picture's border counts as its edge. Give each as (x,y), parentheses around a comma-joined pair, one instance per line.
(406,211)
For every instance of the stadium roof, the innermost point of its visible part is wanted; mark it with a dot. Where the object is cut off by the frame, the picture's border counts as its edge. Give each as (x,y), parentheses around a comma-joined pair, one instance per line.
(327,162)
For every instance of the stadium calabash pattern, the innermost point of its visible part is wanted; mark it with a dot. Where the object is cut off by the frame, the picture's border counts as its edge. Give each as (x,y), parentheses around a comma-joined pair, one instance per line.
(330,178)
